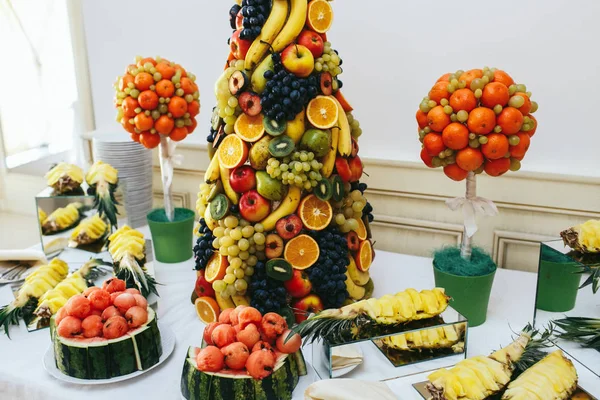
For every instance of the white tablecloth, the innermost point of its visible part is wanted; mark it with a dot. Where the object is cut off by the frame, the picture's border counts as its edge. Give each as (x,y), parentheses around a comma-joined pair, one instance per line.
(22,375)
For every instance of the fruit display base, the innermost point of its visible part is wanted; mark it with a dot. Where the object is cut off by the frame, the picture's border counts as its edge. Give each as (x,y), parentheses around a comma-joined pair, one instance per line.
(378,363)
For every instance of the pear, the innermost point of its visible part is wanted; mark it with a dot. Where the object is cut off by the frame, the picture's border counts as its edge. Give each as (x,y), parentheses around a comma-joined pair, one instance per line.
(259,153)
(269,188)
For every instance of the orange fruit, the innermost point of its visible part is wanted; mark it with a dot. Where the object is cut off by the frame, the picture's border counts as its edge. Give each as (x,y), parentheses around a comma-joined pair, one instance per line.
(207,309)
(148,100)
(495,93)
(470,75)
(251,129)
(502,77)
(481,120)
(455,172)
(463,99)
(143,122)
(444,78)
(177,106)
(519,150)
(496,146)
(149,140)
(193,126)
(301,252)
(128,127)
(364,256)
(143,81)
(319,16)
(497,167)
(124,81)
(455,136)
(232,152)
(194,108)
(439,91)
(165,70)
(216,267)
(526,107)
(129,105)
(164,125)
(362,230)
(322,111)
(178,134)
(421,119)
(165,88)
(315,213)
(438,119)
(510,120)
(427,159)
(433,144)
(469,159)
(188,86)
(143,61)
(535,124)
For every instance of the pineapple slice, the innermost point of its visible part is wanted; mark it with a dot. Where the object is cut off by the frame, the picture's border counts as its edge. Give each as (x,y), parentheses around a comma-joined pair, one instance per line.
(89,230)
(64,177)
(584,238)
(416,299)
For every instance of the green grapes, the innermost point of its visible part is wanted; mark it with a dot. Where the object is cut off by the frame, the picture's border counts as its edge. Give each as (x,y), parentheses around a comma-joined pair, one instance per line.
(301,169)
(329,61)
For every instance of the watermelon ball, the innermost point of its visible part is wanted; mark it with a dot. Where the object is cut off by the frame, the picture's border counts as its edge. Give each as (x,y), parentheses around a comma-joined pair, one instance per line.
(272,325)
(236,354)
(207,335)
(263,346)
(223,335)
(114,295)
(90,290)
(260,364)
(114,285)
(249,336)
(92,326)
(224,316)
(78,306)
(115,327)
(110,312)
(136,316)
(99,299)
(210,359)
(69,327)
(62,312)
(124,302)
(140,301)
(233,316)
(132,291)
(290,345)
(249,315)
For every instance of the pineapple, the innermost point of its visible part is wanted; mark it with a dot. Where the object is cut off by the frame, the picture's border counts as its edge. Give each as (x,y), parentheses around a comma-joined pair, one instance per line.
(61,218)
(127,249)
(89,230)
(64,178)
(554,377)
(41,216)
(584,238)
(427,339)
(103,179)
(35,286)
(374,317)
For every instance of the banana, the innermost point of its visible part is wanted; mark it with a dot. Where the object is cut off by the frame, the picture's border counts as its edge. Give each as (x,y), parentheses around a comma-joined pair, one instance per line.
(288,206)
(210,221)
(258,80)
(270,30)
(293,26)
(296,128)
(345,139)
(215,189)
(212,173)
(232,194)
(329,158)
(358,277)
(240,300)
(356,292)
(224,302)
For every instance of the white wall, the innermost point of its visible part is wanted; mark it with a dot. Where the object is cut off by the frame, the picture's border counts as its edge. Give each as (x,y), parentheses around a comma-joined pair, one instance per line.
(393,52)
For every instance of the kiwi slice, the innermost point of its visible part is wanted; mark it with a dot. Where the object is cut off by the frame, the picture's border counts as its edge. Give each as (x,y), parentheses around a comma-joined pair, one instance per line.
(215,120)
(281,146)
(288,315)
(337,188)
(273,127)
(219,206)
(323,190)
(279,269)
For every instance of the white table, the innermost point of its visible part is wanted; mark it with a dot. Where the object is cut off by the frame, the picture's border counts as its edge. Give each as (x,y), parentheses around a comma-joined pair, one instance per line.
(22,374)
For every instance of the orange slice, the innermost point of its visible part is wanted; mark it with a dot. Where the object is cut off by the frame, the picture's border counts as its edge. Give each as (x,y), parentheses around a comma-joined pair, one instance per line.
(302,252)
(315,213)
(364,256)
(251,129)
(233,151)
(207,309)
(320,16)
(362,230)
(322,112)
(215,269)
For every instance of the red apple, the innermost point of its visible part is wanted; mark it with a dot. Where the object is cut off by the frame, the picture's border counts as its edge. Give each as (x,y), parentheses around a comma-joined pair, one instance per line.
(343,169)
(239,47)
(239,21)
(243,179)
(307,305)
(289,227)
(254,207)
(298,60)
(299,285)
(353,241)
(312,41)
(354,152)
(356,167)
(203,287)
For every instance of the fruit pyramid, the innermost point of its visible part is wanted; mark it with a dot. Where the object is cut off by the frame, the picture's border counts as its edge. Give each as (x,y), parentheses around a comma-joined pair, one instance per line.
(284,221)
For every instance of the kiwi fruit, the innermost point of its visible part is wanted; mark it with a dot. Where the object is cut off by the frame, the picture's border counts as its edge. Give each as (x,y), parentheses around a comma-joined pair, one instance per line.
(273,127)
(219,206)
(337,188)
(323,190)
(279,269)
(281,146)
(288,315)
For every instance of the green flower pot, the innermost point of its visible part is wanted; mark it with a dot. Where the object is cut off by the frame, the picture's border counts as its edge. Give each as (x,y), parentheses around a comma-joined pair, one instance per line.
(470,294)
(172,240)
(557,286)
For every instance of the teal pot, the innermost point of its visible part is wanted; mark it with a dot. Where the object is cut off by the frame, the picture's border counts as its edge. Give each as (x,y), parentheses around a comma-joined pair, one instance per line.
(172,240)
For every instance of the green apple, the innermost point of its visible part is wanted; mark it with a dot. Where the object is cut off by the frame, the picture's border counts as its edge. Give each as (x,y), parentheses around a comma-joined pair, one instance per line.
(317,141)
(269,188)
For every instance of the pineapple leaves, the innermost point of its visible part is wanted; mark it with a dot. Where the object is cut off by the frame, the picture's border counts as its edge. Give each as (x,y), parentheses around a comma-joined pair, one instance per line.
(593,279)
(105,201)
(534,350)
(585,331)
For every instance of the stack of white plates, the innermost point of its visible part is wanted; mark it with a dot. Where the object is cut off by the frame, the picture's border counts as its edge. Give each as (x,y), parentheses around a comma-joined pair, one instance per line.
(134,163)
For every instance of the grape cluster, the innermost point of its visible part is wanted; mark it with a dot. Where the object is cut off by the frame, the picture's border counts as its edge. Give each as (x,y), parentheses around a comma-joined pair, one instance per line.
(267,294)
(355,129)
(328,274)
(255,13)
(203,249)
(301,170)
(285,95)
(329,61)
(368,209)
(228,106)
(243,245)
(351,209)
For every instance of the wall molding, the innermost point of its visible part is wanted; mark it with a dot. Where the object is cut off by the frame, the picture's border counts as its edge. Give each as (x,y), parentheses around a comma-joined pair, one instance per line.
(181,199)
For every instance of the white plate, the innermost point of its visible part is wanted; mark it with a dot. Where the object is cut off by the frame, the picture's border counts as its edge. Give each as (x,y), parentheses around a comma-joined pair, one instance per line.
(168,345)
(343,371)
(303,383)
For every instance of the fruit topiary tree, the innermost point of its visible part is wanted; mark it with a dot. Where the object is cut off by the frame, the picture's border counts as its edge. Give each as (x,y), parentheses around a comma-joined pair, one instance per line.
(473,122)
(157,101)
(284,220)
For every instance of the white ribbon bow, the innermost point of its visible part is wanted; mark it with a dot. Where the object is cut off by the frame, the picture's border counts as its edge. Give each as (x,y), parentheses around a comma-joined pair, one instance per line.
(470,207)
